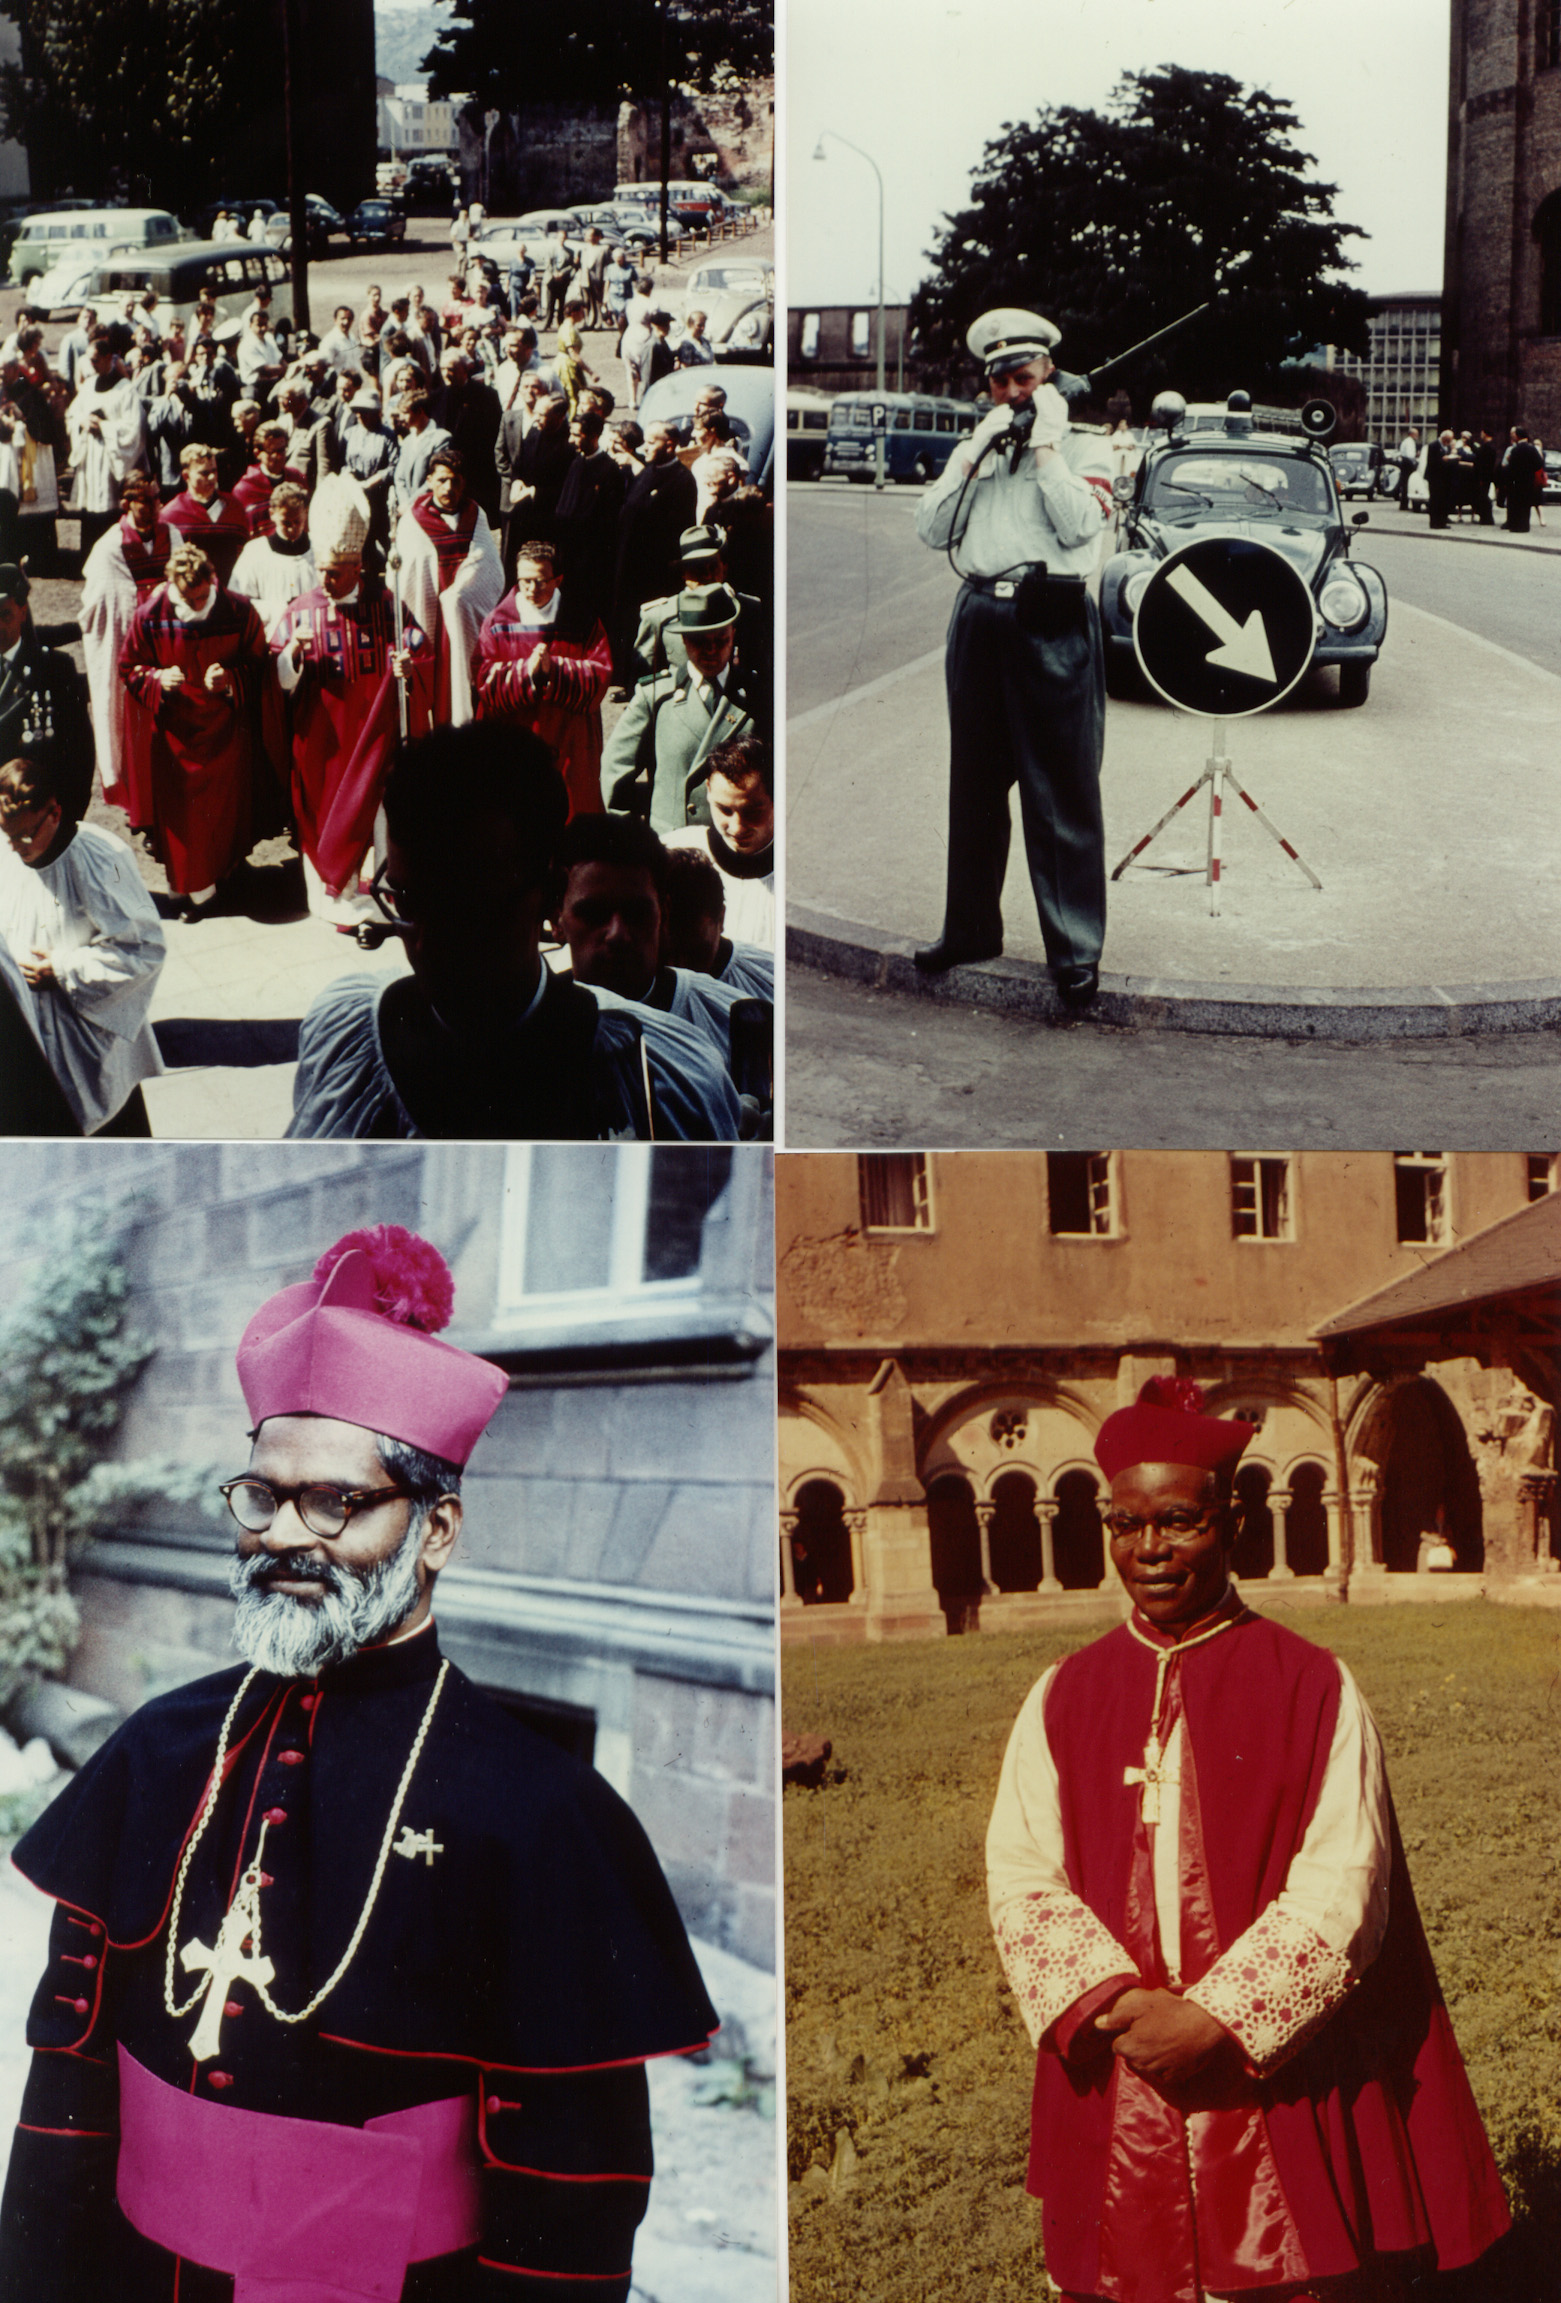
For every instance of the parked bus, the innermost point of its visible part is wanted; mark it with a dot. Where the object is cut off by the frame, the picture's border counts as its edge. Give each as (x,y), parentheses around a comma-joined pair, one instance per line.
(807,423)
(918,435)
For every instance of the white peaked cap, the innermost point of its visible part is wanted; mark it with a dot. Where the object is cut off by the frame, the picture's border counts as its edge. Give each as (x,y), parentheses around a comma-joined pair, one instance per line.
(339,516)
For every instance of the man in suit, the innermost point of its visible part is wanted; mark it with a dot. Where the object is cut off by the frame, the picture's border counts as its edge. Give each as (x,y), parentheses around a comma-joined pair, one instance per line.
(533,461)
(1525,478)
(657,761)
(43,698)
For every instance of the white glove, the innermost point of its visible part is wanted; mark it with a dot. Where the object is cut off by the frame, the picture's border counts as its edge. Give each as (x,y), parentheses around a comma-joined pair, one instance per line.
(1051,418)
(991,427)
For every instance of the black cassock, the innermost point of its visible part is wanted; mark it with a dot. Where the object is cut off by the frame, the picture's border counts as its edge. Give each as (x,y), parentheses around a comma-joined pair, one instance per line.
(528,1956)
(659,505)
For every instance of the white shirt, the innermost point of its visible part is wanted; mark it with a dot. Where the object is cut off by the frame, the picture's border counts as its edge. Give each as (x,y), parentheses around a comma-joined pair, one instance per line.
(750,903)
(1046,513)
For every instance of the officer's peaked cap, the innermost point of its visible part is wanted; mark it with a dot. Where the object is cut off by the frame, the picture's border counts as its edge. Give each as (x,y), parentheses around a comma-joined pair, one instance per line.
(1007,338)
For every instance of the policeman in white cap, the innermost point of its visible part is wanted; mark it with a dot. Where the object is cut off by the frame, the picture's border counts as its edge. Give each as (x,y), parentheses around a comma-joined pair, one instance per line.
(1020,509)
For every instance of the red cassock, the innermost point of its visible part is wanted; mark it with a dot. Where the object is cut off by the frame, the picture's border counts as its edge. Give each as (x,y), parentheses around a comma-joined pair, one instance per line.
(252,495)
(199,754)
(1366,2142)
(568,717)
(346,719)
(221,539)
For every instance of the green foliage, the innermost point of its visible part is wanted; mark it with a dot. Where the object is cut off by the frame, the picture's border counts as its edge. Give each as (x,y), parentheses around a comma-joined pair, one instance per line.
(512,52)
(907,2067)
(1115,224)
(68,1357)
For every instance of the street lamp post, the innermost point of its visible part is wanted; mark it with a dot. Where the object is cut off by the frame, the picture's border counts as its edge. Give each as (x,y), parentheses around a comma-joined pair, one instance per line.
(820,154)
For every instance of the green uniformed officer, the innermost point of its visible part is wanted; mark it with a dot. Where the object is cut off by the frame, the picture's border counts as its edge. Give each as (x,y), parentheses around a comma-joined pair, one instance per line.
(657,760)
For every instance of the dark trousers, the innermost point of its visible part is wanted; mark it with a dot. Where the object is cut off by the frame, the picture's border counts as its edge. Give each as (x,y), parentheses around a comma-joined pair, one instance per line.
(1028,711)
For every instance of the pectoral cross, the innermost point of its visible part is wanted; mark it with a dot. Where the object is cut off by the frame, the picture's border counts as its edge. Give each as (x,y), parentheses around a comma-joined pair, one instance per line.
(1151,1775)
(418,1843)
(229,1960)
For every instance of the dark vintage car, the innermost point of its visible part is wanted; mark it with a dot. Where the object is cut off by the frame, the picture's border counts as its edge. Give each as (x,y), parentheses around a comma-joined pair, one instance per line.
(377,222)
(1276,488)
(1357,467)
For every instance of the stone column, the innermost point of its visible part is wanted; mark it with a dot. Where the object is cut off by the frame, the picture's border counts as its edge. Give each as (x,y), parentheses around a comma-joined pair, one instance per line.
(856,1528)
(788,1528)
(1535,1492)
(1279,1502)
(1109,1579)
(1368,1566)
(1046,1510)
(985,1514)
(902,1601)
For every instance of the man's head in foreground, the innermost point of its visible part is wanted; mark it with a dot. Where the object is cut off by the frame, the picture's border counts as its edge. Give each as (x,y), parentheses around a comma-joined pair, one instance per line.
(32,806)
(614,872)
(474,817)
(1172,1524)
(695,908)
(343,1527)
(741,789)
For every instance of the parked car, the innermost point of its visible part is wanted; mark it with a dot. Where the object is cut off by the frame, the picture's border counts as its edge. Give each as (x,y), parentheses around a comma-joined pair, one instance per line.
(1276,488)
(376,223)
(325,224)
(750,409)
(43,239)
(230,269)
(737,296)
(1356,465)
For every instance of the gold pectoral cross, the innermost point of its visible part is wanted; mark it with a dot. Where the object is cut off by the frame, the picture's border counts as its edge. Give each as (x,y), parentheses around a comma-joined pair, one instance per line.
(418,1843)
(1151,1775)
(228,1961)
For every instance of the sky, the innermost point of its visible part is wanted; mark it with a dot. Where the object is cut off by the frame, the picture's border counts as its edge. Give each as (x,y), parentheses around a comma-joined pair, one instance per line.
(921,86)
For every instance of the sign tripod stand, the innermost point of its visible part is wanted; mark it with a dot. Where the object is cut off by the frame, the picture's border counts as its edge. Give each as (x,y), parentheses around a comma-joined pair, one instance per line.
(1217,773)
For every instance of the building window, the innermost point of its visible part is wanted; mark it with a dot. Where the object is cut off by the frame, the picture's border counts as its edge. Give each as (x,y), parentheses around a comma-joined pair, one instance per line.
(861,342)
(894,1190)
(1547,35)
(1547,237)
(1420,1192)
(1260,1199)
(807,337)
(1078,1194)
(1543,1175)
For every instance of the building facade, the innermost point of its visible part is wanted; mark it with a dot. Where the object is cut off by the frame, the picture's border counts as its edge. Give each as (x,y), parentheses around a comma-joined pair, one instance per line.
(614,1581)
(955,1328)
(1502,269)
(1401,374)
(834,348)
(413,125)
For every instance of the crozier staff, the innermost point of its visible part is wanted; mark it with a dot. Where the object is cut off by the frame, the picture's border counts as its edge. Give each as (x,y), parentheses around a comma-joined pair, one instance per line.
(352,1977)
(1247,2083)
(1021,504)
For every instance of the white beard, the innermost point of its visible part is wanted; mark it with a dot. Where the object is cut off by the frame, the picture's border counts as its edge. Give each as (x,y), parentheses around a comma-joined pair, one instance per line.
(295,1638)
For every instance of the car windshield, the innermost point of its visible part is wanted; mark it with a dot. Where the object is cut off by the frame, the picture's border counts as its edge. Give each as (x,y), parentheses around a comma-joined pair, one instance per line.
(1244,486)
(729,276)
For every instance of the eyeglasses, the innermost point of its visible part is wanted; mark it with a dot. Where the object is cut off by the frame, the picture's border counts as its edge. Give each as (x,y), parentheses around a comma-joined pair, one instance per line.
(1170,1526)
(323,1508)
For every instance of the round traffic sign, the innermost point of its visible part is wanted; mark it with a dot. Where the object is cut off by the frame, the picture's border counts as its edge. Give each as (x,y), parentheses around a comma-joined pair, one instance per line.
(1226,627)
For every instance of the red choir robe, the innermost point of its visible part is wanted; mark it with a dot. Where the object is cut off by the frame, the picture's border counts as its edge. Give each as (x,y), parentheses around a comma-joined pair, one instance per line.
(123,570)
(200,755)
(1361,2142)
(221,538)
(346,719)
(569,717)
(252,495)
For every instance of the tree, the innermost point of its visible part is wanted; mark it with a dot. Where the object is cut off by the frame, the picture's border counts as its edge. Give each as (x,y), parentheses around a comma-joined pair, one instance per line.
(1188,189)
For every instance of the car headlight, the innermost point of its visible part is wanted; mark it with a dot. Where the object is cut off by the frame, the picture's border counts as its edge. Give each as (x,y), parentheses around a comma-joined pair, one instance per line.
(1343,603)
(1134,589)
(748,330)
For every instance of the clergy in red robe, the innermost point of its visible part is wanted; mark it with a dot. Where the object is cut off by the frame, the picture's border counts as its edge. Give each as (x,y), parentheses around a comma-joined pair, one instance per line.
(546,665)
(451,578)
(1247,2083)
(339,658)
(198,673)
(205,517)
(124,568)
(252,494)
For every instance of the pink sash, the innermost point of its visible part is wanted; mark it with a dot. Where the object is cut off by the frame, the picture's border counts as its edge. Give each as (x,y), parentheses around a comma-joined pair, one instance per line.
(297,2210)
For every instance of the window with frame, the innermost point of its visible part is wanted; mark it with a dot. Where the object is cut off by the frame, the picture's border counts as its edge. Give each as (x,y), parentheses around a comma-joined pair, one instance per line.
(861,338)
(1260,1197)
(894,1191)
(1544,1174)
(807,336)
(1079,1197)
(1420,1197)
(604,1233)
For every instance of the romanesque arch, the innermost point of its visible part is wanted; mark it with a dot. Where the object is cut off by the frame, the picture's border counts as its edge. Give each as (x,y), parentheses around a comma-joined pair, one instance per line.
(1413,1465)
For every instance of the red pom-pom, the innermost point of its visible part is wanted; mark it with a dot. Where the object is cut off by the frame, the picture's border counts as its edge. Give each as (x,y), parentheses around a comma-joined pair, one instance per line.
(412,1282)
(1174,1391)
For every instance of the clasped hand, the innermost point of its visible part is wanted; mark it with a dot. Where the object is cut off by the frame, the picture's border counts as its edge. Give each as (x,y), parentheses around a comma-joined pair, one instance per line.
(1164,2038)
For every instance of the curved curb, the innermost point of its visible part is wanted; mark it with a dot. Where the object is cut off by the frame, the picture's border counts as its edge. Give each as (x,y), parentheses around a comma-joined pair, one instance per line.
(1273,1011)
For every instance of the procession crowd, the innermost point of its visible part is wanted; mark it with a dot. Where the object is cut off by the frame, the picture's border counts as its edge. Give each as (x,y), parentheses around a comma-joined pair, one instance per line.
(303,563)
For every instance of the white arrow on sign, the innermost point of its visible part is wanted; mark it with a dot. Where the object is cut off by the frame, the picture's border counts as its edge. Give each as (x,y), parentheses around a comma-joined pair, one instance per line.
(1243,647)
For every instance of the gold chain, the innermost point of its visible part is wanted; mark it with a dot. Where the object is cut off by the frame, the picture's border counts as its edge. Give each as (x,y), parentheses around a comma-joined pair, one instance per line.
(251,1879)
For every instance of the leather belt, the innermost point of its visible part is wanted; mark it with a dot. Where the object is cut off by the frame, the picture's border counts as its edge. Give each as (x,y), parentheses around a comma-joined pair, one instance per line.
(297,2210)
(1005,587)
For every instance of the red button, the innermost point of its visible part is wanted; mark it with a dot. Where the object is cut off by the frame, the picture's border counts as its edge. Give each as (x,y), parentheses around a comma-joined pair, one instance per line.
(232,2007)
(266,1879)
(220,2078)
(290,1758)
(308,1701)
(94,1928)
(492,2105)
(89,1962)
(276,1815)
(81,2005)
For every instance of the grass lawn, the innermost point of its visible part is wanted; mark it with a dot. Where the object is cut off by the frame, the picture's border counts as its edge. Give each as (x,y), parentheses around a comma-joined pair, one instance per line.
(908,2071)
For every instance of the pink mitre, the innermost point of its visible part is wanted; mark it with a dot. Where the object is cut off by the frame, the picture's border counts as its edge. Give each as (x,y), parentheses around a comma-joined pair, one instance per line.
(355,1342)
(1166,1424)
